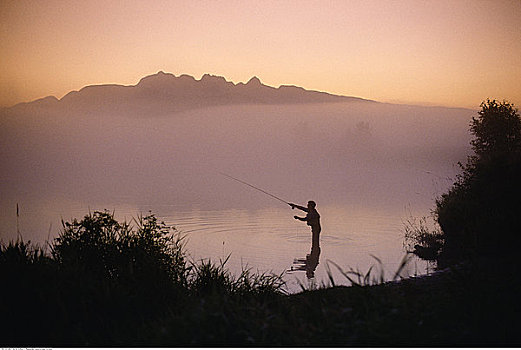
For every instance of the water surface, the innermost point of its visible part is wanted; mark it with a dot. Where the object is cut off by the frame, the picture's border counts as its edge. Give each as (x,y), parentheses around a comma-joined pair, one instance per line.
(263,240)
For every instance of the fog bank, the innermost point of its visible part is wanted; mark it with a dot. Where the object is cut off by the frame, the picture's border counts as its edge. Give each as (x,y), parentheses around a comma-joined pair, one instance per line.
(362,154)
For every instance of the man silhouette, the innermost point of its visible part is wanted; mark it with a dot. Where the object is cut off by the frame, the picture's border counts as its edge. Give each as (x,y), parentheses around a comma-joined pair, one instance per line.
(312,219)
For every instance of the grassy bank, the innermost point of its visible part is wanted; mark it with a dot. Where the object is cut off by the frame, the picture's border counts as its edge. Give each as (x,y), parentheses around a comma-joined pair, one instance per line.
(104,283)
(461,308)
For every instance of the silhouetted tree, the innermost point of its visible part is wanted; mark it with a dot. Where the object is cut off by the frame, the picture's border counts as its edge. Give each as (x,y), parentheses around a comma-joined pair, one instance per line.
(479,215)
(497,130)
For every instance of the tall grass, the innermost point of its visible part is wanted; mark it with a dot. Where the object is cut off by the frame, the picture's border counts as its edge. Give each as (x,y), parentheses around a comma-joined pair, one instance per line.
(20,252)
(207,277)
(373,276)
(422,239)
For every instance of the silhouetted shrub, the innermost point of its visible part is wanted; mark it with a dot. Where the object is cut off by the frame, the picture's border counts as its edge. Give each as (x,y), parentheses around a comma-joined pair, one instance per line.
(497,130)
(479,215)
(102,248)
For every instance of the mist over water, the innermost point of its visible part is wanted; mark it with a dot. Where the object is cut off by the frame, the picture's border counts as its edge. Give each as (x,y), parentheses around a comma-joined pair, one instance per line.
(360,157)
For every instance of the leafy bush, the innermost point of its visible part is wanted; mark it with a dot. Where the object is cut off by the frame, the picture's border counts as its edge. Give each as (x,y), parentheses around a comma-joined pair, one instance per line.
(479,215)
(103,248)
(497,130)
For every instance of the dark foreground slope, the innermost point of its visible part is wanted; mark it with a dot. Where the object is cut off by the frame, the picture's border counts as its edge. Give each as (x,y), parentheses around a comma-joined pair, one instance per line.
(463,308)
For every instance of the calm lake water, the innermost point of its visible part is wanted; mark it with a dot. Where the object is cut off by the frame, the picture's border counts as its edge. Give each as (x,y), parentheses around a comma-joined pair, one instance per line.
(265,240)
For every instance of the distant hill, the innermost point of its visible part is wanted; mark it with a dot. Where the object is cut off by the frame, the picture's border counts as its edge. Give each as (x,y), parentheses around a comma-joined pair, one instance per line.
(164,93)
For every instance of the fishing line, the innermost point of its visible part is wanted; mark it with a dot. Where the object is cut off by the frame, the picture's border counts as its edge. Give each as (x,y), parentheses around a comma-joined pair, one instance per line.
(269,194)
(258,189)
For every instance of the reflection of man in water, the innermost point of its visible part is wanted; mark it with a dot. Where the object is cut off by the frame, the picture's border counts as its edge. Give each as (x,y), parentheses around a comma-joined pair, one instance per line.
(312,219)
(308,264)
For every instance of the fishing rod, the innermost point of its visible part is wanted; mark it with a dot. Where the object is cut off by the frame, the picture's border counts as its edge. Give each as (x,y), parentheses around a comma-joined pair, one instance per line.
(258,189)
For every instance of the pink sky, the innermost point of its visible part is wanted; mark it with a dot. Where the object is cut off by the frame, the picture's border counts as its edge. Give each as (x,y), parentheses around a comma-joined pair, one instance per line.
(441,52)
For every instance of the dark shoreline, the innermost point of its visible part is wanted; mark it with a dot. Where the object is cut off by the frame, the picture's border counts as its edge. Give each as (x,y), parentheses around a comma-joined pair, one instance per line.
(470,305)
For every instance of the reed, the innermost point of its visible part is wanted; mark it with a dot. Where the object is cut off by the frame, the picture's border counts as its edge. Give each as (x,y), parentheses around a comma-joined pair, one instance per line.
(21,253)
(422,239)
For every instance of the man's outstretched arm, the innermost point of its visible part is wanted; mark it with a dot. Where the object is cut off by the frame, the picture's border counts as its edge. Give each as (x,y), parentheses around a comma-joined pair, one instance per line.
(293,206)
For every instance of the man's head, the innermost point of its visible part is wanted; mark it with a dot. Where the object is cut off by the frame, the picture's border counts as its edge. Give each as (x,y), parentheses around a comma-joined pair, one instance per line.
(312,205)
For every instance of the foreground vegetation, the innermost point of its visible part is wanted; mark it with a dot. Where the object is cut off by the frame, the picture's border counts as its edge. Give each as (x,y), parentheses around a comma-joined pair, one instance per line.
(479,216)
(110,284)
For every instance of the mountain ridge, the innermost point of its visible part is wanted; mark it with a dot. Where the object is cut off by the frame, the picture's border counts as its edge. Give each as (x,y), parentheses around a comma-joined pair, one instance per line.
(166,93)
